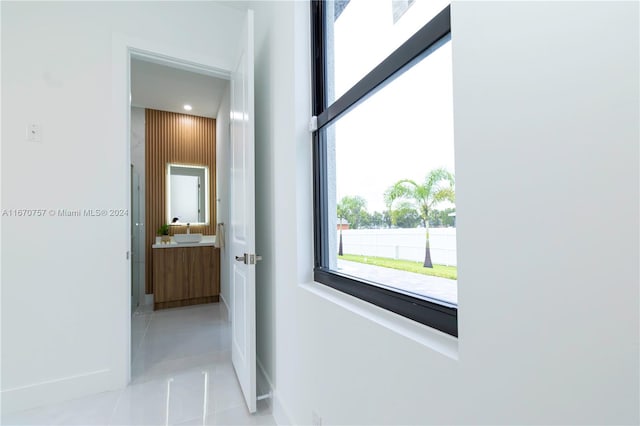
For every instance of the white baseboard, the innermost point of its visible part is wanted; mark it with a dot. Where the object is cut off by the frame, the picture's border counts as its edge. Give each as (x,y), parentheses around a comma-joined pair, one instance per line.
(57,390)
(279,412)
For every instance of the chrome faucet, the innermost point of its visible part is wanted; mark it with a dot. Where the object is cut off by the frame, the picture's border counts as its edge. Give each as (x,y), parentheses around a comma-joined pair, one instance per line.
(188,228)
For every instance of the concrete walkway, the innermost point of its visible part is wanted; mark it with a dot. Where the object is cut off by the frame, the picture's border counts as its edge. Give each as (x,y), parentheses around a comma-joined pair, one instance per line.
(438,288)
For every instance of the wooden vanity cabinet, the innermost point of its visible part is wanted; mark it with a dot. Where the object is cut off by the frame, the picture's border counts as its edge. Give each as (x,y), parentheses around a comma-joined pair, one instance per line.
(185,276)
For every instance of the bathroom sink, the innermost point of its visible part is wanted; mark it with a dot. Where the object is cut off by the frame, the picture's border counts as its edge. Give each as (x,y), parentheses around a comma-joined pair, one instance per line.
(187,238)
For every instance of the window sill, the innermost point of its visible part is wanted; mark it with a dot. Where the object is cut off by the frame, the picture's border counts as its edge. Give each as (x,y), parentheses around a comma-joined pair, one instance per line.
(429,337)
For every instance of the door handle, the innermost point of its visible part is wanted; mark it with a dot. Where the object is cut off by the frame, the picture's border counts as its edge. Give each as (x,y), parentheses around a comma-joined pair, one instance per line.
(249,259)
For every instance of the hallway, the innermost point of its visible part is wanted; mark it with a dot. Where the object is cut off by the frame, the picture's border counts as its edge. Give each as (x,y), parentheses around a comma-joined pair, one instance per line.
(181,375)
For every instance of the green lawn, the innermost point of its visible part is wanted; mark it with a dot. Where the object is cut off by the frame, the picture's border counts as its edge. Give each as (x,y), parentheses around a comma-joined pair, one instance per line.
(443,271)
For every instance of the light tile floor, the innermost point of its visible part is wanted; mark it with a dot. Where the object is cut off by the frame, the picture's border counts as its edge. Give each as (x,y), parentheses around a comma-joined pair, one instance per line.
(181,375)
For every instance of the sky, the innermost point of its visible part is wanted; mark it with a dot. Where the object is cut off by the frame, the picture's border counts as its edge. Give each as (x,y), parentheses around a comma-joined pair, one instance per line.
(405,129)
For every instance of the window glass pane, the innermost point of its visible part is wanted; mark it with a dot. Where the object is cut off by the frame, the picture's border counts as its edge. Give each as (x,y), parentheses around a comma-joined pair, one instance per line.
(391,184)
(362,33)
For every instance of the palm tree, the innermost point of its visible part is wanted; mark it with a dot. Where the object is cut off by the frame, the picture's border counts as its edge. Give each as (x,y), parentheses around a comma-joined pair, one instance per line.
(438,186)
(349,208)
(342,213)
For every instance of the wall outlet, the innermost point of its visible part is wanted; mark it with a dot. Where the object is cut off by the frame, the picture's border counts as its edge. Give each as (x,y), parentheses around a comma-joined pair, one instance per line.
(316,420)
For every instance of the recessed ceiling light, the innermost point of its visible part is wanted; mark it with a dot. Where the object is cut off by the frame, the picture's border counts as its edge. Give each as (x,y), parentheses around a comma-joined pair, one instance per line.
(187,107)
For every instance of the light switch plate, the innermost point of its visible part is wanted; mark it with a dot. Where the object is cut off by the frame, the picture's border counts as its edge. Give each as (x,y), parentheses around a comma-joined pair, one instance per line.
(34,132)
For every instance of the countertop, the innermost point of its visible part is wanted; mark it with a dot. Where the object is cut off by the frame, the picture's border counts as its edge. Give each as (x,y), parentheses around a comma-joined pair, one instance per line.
(207,240)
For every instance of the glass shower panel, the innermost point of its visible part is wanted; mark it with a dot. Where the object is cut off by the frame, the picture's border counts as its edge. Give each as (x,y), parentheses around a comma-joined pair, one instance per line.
(135,240)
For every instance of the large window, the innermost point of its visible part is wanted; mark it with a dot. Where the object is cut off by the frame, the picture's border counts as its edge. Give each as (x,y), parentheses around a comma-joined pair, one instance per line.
(384,171)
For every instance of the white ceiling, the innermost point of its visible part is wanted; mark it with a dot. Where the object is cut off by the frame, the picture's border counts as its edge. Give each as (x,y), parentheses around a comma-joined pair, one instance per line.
(168,89)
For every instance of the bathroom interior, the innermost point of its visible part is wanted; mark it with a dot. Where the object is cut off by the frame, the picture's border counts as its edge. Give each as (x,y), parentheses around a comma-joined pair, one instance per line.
(179,134)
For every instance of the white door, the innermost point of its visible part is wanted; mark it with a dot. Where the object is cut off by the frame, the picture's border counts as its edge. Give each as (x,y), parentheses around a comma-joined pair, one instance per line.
(242,237)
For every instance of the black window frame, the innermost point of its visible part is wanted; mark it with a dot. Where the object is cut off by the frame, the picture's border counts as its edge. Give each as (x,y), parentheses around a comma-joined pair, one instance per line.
(433,313)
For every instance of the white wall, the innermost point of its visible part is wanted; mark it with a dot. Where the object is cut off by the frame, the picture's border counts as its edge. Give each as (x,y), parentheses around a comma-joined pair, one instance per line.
(546,119)
(273,75)
(65,280)
(222,190)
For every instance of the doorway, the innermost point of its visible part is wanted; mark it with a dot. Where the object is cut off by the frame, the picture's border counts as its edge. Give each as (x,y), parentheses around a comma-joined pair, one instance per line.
(158,84)
(168,138)
(240,199)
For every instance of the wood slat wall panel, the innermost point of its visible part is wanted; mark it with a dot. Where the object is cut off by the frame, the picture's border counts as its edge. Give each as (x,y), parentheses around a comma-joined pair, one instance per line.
(182,139)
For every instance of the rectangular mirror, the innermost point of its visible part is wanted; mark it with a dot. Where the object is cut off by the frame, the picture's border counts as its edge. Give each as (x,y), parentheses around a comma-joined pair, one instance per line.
(187,194)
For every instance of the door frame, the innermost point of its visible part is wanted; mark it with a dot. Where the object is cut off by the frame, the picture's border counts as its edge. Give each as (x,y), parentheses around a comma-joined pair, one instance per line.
(124,49)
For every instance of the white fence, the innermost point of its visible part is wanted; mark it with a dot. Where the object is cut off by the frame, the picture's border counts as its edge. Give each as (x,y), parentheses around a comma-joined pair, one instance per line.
(407,244)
